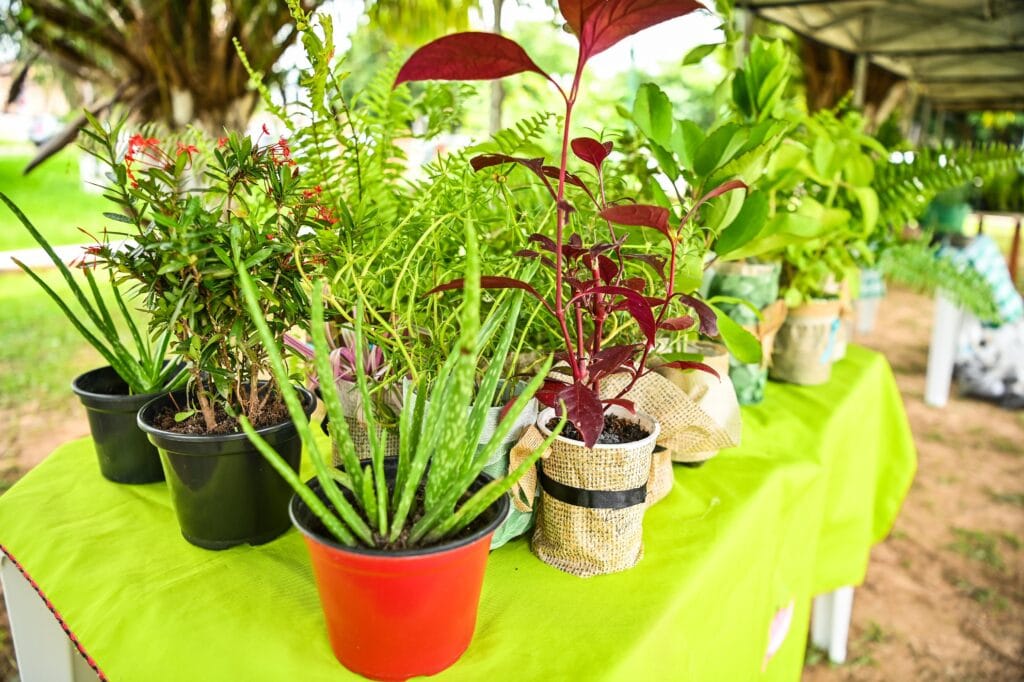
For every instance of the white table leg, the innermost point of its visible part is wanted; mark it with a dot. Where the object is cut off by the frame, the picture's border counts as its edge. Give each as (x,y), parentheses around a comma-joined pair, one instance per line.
(43,651)
(942,351)
(830,622)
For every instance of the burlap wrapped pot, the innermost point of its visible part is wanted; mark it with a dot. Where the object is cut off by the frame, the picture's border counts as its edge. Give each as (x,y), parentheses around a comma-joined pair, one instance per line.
(805,344)
(592,507)
(714,397)
(684,427)
(352,404)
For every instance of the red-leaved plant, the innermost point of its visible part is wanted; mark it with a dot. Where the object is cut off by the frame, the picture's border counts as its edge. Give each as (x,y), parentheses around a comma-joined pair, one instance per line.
(591,282)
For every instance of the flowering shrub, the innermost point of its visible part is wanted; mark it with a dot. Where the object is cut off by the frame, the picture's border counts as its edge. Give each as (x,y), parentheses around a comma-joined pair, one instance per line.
(189,211)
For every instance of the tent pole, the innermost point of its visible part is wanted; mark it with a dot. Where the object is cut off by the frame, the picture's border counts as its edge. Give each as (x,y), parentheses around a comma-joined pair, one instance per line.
(860,79)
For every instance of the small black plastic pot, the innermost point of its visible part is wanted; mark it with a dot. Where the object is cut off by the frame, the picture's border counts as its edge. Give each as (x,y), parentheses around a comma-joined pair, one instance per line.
(124,452)
(223,491)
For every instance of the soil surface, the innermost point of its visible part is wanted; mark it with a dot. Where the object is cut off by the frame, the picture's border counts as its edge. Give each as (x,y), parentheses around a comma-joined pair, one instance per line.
(944,595)
(274,413)
(616,431)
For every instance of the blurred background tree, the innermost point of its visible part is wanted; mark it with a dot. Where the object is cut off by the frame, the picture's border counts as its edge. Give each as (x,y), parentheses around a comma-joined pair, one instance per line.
(170,62)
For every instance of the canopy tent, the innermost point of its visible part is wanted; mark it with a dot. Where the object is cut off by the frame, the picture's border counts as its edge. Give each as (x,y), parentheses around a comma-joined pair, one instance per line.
(959,54)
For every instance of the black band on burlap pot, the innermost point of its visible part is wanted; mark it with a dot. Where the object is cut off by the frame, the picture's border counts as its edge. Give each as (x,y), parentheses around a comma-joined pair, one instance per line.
(224,492)
(592,506)
(124,452)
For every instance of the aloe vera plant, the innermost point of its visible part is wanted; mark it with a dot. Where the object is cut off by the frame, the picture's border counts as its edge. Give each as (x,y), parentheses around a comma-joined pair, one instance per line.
(438,459)
(142,362)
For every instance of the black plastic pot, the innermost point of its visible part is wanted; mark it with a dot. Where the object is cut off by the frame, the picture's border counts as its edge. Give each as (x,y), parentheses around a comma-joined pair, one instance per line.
(124,452)
(223,491)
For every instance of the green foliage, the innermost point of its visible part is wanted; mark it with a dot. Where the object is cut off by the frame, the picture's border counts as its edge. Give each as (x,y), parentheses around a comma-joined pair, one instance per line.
(921,267)
(191,210)
(906,187)
(439,432)
(142,362)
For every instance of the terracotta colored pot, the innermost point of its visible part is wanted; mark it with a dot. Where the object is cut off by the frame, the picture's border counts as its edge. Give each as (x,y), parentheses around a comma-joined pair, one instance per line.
(396,615)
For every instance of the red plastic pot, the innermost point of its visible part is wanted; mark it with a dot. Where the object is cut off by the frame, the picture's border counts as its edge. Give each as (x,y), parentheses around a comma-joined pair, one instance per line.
(396,615)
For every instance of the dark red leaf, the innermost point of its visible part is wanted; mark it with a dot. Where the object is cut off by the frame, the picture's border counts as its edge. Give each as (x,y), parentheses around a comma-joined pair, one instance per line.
(636,305)
(591,151)
(627,405)
(611,360)
(489,282)
(546,242)
(583,408)
(604,247)
(527,253)
(608,268)
(716,192)
(637,284)
(467,56)
(639,215)
(570,179)
(689,364)
(547,394)
(708,321)
(656,262)
(677,324)
(599,24)
(536,165)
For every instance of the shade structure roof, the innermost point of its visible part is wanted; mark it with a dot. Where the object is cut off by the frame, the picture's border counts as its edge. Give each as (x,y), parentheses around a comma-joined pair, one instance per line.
(961,54)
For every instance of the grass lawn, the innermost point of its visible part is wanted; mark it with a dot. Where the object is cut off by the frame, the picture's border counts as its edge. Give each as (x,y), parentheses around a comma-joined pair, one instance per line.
(51,196)
(40,351)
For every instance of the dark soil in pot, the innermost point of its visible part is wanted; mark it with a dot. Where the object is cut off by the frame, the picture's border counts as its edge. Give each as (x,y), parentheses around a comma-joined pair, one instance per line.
(273,412)
(125,454)
(223,491)
(616,431)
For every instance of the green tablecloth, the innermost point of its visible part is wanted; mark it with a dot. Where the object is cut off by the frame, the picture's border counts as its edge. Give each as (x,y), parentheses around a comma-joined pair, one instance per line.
(792,513)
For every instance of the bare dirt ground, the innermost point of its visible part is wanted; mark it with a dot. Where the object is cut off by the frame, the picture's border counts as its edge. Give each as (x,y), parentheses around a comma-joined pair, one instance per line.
(944,596)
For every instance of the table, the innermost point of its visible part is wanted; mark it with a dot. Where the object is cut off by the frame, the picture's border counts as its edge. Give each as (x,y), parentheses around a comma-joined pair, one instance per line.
(790,514)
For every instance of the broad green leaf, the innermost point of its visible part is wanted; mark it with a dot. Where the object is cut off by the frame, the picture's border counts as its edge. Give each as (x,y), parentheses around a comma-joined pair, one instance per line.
(652,113)
(698,53)
(741,343)
(747,225)
(686,138)
(719,148)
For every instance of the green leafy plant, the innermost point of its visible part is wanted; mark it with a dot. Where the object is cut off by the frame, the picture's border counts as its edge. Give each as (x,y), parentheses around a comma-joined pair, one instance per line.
(143,362)
(924,268)
(439,431)
(190,208)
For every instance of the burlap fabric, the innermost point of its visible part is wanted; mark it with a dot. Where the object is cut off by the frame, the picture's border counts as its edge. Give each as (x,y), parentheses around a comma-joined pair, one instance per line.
(714,397)
(352,404)
(805,344)
(593,541)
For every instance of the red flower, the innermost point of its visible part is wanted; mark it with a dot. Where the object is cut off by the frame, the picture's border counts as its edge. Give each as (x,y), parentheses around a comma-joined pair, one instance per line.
(310,193)
(325,214)
(221,141)
(187,149)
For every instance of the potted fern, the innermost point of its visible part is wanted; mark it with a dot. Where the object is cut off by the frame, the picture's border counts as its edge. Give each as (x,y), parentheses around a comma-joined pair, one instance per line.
(139,369)
(399,545)
(191,208)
